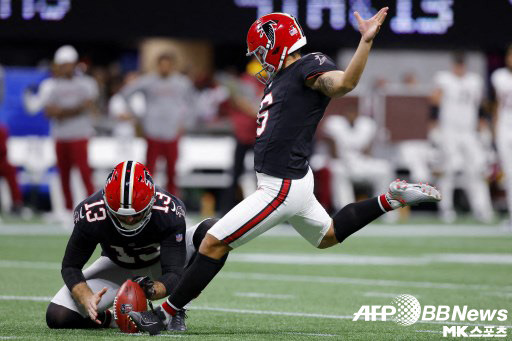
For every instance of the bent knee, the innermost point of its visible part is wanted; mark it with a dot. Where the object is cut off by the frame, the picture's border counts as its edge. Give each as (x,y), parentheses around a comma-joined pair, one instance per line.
(212,247)
(60,317)
(52,317)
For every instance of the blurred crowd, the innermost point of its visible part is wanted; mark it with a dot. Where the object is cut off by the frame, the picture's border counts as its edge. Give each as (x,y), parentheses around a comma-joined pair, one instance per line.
(467,146)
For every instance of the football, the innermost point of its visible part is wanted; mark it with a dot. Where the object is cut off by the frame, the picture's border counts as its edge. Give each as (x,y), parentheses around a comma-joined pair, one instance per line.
(129,297)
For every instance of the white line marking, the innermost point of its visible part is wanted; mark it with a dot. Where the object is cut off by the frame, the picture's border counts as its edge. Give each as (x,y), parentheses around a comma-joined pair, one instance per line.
(26,298)
(29,264)
(263,295)
(269,312)
(338,317)
(309,334)
(299,278)
(429,331)
(8,337)
(383,294)
(344,259)
(142,334)
(356,281)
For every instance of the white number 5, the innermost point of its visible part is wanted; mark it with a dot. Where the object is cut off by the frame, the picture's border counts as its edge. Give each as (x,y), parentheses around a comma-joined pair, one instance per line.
(263,116)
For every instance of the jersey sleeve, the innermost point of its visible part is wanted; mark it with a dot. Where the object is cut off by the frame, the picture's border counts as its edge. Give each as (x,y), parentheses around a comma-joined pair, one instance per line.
(316,64)
(173,251)
(80,247)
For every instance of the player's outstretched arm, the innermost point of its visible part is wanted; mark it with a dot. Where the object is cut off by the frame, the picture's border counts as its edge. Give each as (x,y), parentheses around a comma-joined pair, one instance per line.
(338,83)
(89,300)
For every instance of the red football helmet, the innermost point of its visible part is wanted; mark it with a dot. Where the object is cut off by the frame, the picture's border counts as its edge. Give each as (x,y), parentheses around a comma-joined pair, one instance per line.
(270,39)
(129,195)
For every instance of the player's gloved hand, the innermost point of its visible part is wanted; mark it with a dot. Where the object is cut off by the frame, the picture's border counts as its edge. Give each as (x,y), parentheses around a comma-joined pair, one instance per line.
(147,285)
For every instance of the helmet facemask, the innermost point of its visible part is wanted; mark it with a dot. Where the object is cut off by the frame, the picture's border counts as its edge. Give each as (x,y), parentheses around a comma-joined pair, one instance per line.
(141,219)
(267,72)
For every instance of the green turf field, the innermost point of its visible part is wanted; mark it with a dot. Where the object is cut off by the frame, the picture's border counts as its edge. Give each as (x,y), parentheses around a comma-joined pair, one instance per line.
(279,287)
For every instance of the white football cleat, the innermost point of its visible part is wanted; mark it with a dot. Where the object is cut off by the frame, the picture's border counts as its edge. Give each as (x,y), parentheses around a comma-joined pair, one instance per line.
(402,194)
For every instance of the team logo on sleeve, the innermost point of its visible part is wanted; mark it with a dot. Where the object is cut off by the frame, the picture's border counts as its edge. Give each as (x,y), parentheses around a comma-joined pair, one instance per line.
(179,237)
(321,58)
(180,212)
(268,29)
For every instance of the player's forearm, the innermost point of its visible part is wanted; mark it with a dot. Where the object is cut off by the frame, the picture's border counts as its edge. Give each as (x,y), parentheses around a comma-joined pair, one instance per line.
(338,83)
(81,293)
(356,66)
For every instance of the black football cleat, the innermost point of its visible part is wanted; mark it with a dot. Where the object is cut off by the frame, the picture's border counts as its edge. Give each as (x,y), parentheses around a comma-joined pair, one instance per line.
(147,321)
(177,323)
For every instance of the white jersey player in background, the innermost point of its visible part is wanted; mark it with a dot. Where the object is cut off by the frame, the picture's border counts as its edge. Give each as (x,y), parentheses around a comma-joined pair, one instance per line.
(501,80)
(353,136)
(458,95)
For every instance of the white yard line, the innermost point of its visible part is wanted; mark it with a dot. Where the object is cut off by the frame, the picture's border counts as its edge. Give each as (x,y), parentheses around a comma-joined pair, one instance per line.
(309,334)
(142,334)
(26,298)
(356,281)
(21,264)
(429,331)
(264,295)
(344,259)
(274,313)
(383,294)
(300,278)
(271,312)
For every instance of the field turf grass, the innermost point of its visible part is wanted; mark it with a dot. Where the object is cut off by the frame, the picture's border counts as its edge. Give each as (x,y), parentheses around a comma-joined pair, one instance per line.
(259,297)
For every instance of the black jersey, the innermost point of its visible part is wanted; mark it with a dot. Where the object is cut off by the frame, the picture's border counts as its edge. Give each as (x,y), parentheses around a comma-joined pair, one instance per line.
(289,114)
(163,238)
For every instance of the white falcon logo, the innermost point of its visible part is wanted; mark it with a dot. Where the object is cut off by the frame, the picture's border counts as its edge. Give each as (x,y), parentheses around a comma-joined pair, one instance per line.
(321,58)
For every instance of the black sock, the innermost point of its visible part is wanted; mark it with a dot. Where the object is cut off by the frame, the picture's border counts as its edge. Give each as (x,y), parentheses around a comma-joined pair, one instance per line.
(195,279)
(355,216)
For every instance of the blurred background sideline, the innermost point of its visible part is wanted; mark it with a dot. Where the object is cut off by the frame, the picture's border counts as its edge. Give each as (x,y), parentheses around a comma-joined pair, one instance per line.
(169,85)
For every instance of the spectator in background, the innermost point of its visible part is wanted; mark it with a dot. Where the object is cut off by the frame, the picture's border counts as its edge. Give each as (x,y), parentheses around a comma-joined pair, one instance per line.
(125,116)
(501,80)
(7,171)
(353,136)
(169,99)
(34,101)
(458,95)
(245,95)
(69,104)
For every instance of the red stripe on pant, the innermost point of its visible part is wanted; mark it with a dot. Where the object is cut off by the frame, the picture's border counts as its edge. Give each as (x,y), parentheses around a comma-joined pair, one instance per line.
(274,204)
